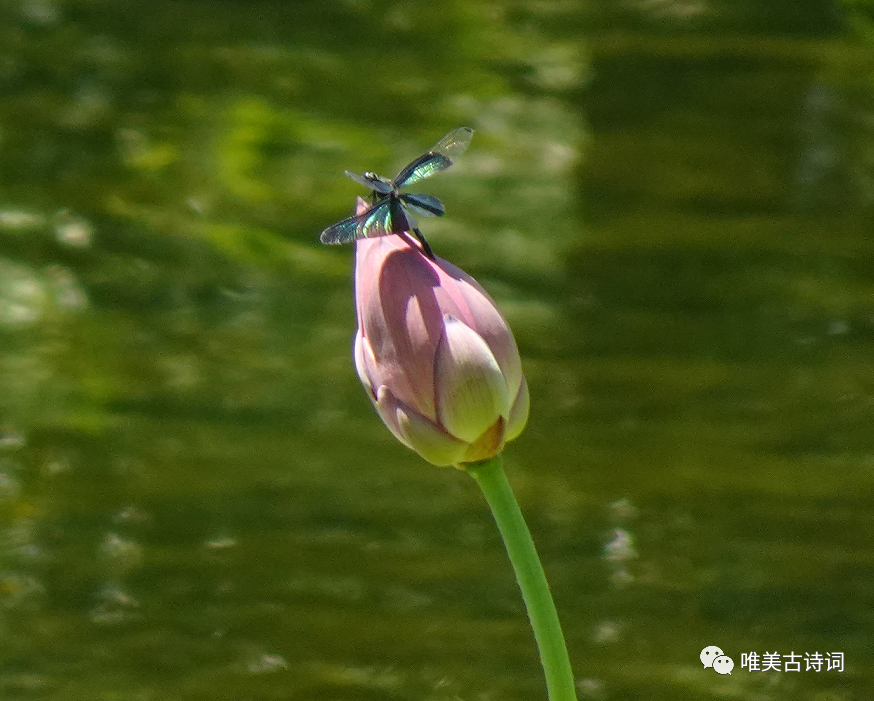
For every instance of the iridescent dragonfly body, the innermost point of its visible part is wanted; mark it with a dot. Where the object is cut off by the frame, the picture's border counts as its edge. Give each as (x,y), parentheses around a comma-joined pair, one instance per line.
(391,211)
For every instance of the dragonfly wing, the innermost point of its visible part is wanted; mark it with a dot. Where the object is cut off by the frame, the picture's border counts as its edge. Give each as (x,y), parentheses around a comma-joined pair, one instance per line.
(454,143)
(442,155)
(423,205)
(341,232)
(423,167)
(377,219)
(371,181)
(374,221)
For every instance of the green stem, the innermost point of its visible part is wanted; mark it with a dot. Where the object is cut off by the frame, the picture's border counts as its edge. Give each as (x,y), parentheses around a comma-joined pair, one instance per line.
(491,478)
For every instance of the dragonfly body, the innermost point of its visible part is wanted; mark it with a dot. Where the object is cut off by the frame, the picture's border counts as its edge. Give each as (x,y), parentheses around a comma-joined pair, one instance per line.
(391,211)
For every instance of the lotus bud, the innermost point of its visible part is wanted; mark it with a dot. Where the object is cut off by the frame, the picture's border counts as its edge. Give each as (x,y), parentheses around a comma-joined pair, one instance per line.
(435,355)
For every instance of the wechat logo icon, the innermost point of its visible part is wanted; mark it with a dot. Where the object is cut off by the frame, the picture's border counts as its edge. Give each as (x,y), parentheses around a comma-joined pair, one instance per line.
(714,657)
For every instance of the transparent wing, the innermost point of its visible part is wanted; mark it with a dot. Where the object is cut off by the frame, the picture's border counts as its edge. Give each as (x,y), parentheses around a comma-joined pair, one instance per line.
(454,143)
(423,205)
(442,155)
(375,221)
(341,232)
(371,181)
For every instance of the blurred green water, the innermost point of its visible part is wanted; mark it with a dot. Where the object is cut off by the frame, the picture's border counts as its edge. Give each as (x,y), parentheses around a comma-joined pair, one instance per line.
(670,201)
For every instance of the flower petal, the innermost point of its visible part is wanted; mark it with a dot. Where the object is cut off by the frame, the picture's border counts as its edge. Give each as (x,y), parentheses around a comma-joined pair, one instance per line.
(488,444)
(396,313)
(518,412)
(365,363)
(429,440)
(389,409)
(472,304)
(471,391)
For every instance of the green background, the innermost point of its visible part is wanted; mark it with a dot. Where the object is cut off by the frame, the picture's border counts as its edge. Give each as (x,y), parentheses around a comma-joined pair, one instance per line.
(671,201)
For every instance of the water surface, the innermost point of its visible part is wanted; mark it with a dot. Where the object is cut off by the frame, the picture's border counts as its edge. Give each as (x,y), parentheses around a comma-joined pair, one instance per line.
(671,203)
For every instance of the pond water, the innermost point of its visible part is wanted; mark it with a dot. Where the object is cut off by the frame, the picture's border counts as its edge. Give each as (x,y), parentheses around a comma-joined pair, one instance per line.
(670,201)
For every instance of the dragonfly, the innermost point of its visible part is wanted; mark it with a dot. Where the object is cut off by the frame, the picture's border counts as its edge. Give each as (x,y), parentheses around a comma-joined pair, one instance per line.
(391,211)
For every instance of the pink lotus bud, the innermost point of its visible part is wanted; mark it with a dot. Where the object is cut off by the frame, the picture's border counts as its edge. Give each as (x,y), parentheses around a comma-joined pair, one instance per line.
(435,355)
